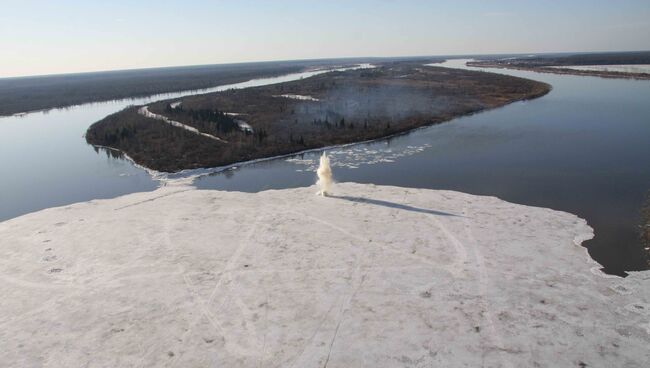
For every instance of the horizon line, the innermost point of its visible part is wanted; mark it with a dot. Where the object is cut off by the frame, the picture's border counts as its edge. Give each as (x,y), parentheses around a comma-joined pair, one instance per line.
(309,60)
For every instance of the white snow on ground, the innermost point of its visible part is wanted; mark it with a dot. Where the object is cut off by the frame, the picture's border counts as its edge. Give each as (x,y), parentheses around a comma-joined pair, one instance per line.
(297,97)
(244,126)
(373,276)
(631,68)
(144,111)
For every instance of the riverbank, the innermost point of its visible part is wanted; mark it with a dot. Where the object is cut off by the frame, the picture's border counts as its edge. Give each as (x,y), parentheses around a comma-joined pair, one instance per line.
(374,275)
(40,93)
(343,107)
(22,95)
(617,65)
(561,70)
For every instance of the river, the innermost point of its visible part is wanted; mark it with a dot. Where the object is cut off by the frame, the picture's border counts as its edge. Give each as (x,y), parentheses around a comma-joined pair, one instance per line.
(46,162)
(581,149)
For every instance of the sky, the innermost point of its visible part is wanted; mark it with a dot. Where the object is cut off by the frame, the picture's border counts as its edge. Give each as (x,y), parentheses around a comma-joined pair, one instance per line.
(65,36)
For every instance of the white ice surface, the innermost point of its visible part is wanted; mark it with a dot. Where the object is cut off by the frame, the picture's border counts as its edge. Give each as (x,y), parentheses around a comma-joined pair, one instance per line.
(374,276)
(354,156)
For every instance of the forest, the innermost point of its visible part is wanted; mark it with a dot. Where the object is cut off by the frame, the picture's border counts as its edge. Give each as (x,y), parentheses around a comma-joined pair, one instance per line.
(554,63)
(343,107)
(24,94)
(602,58)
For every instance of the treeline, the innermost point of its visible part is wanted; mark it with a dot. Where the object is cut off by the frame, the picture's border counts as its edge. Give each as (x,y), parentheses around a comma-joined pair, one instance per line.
(24,94)
(209,121)
(340,124)
(153,143)
(160,146)
(118,134)
(603,58)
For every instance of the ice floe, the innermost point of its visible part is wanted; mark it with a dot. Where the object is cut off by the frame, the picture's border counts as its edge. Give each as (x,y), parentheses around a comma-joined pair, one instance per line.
(370,276)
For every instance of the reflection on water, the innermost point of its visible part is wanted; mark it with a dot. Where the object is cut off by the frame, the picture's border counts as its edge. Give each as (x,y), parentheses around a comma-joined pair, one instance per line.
(579,149)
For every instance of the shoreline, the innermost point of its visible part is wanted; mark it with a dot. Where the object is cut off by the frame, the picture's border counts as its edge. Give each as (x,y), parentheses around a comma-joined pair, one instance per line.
(203,156)
(162,176)
(191,92)
(563,71)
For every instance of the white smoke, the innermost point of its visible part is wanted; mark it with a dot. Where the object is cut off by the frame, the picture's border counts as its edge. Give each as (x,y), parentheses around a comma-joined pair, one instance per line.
(324,175)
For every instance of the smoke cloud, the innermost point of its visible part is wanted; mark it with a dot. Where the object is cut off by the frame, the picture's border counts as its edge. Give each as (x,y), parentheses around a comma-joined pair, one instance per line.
(324,173)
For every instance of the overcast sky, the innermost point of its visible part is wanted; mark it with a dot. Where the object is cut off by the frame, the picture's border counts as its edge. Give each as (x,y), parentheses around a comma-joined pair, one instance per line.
(45,37)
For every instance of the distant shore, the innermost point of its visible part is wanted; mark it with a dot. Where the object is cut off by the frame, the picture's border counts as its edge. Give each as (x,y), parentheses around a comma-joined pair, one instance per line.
(561,70)
(24,95)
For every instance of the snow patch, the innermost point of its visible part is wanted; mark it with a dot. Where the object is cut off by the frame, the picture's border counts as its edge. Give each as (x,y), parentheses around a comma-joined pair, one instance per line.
(297,97)
(144,111)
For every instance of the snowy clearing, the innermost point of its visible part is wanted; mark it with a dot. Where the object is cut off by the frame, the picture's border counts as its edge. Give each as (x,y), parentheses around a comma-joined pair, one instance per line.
(244,126)
(298,97)
(144,111)
(374,276)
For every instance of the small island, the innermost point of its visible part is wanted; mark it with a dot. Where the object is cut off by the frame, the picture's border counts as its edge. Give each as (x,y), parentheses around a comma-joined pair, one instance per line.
(222,128)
